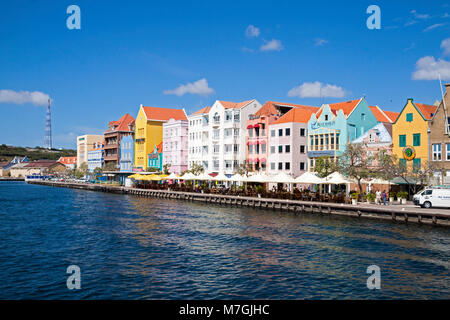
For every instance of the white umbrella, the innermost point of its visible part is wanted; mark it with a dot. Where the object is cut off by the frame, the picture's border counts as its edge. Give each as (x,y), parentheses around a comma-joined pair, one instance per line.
(172,176)
(259,177)
(336,178)
(239,178)
(187,176)
(282,177)
(220,177)
(308,178)
(203,176)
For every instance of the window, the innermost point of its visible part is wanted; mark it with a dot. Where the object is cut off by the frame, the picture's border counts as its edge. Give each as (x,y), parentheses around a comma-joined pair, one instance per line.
(272,133)
(250,149)
(416,164)
(272,149)
(250,133)
(402,140)
(287,148)
(437,152)
(280,165)
(409,117)
(302,149)
(447,158)
(326,117)
(302,132)
(416,139)
(263,148)
(280,149)
(302,166)
(272,166)
(280,132)
(363,116)
(288,132)
(403,163)
(287,166)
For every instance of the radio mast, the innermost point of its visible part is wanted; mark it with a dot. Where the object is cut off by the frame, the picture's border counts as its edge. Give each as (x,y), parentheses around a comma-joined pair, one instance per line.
(48,128)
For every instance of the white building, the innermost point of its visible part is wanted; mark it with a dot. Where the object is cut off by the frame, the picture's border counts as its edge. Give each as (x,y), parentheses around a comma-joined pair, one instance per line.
(217,135)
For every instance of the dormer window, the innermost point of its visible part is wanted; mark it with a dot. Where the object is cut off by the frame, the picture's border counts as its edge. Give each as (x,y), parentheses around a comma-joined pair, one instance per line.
(326,117)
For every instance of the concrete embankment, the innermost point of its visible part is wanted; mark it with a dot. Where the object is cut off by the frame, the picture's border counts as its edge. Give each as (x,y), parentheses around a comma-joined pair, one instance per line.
(396,213)
(11,179)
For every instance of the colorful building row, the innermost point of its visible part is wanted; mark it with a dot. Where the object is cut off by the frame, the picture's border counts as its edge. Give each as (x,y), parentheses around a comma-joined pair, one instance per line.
(270,138)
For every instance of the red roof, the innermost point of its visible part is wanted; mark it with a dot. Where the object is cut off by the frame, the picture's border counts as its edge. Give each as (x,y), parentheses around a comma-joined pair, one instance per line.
(301,115)
(41,164)
(347,107)
(122,124)
(68,160)
(160,147)
(203,110)
(269,108)
(164,114)
(427,110)
(392,115)
(234,105)
(379,114)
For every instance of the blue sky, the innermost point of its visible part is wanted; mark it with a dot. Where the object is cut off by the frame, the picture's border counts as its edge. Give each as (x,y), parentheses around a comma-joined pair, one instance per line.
(129,53)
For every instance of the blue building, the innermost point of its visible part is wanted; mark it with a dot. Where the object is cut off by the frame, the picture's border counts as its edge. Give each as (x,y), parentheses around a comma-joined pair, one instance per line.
(155,159)
(334,126)
(126,154)
(95,157)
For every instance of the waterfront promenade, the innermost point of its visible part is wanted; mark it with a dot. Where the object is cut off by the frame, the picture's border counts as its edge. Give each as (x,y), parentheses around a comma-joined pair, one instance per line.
(395,212)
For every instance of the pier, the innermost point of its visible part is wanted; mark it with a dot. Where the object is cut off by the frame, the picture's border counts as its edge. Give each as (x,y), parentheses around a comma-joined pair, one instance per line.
(395,213)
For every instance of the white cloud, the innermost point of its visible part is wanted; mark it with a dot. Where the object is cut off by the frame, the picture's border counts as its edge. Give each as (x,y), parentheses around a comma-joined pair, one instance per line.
(20,97)
(320,42)
(445,45)
(316,90)
(433,26)
(198,87)
(419,15)
(428,68)
(272,45)
(252,31)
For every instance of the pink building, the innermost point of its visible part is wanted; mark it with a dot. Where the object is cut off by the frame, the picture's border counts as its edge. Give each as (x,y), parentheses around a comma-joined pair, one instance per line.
(288,141)
(257,153)
(175,145)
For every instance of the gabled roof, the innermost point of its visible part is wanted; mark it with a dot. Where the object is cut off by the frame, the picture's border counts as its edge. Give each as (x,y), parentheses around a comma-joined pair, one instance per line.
(202,111)
(160,147)
(163,114)
(41,164)
(392,115)
(301,115)
(347,107)
(381,115)
(427,110)
(269,108)
(122,124)
(381,132)
(235,105)
(4,164)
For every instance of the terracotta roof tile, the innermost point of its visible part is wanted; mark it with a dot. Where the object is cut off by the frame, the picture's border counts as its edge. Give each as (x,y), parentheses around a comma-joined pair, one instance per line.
(164,114)
(427,110)
(234,105)
(392,115)
(301,115)
(203,110)
(160,147)
(269,107)
(347,107)
(379,114)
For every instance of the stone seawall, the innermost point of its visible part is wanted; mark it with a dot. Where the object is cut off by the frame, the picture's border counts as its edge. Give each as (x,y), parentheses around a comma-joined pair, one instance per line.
(395,213)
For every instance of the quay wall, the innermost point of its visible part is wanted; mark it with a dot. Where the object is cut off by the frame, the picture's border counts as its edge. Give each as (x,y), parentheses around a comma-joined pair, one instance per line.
(435,217)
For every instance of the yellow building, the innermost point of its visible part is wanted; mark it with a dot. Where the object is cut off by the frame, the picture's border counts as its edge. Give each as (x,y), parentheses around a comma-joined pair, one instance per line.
(149,131)
(410,134)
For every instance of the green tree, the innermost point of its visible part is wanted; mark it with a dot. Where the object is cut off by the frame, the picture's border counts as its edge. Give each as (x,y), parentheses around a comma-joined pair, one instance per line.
(244,168)
(324,167)
(356,163)
(152,169)
(110,166)
(166,168)
(196,169)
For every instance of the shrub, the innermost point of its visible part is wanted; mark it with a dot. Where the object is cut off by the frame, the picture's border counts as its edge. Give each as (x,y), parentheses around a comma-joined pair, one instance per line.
(354,195)
(370,196)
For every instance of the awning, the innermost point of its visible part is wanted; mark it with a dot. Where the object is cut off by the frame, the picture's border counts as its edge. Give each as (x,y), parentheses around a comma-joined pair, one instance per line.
(262,160)
(249,126)
(256,126)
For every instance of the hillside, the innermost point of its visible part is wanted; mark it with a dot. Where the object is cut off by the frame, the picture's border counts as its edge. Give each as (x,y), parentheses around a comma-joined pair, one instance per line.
(8,152)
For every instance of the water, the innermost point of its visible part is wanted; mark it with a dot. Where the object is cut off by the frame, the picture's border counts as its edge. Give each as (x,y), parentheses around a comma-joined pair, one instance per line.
(142,248)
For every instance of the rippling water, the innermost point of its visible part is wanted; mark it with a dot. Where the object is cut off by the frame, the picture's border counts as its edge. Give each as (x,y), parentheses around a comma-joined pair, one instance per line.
(141,248)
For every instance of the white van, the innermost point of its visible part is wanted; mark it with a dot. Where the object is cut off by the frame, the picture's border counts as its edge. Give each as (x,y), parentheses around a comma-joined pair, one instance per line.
(433,197)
